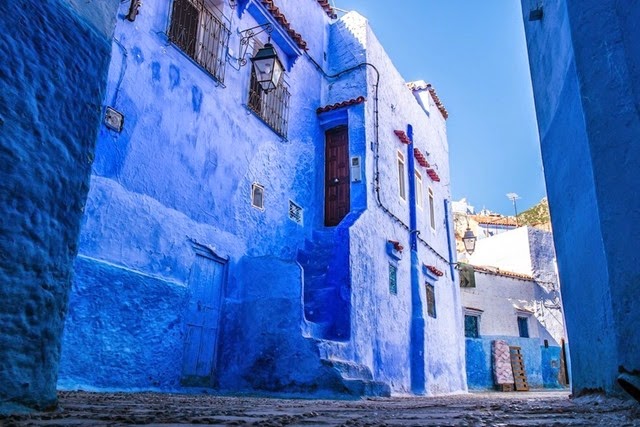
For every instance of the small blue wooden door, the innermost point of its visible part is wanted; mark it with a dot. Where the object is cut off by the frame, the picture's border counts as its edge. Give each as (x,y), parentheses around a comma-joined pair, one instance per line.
(202,322)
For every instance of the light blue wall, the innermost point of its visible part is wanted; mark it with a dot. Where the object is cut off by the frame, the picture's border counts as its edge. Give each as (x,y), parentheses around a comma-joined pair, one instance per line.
(585,76)
(381,333)
(52,77)
(541,364)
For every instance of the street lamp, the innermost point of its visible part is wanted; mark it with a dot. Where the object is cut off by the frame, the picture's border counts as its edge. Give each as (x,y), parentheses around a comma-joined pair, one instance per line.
(267,67)
(469,240)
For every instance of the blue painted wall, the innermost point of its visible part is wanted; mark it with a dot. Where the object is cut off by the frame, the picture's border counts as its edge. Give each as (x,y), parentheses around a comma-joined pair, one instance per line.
(181,172)
(51,88)
(141,309)
(585,76)
(541,364)
(177,180)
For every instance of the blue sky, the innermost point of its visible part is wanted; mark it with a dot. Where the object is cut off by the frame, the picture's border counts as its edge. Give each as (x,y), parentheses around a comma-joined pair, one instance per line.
(474,53)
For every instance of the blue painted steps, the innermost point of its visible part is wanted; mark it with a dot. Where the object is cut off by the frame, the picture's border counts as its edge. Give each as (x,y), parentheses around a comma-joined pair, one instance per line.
(324,306)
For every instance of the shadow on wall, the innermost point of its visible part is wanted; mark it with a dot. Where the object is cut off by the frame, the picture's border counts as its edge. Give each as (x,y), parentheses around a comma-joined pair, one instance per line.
(50,96)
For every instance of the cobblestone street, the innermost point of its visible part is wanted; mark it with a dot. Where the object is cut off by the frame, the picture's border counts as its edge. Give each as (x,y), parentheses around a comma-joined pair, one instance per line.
(487,409)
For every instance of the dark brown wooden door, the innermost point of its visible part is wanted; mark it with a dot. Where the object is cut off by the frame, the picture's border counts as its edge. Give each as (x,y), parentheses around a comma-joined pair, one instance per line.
(337,202)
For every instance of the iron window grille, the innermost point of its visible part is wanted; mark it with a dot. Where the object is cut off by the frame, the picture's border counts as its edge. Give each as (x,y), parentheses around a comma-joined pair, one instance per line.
(431,300)
(393,279)
(198,32)
(272,107)
(295,212)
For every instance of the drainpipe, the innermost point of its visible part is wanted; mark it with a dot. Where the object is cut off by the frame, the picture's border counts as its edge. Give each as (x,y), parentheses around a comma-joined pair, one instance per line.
(447,209)
(417,316)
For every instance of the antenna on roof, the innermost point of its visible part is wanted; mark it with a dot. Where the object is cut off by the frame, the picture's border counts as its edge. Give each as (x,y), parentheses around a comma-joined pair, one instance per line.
(513,197)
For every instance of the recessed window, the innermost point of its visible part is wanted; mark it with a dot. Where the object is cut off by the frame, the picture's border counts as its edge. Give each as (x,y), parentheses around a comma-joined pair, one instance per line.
(295,212)
(393,279)
(419,198)
(402,190)
(257,196)
(471,326)
(523,326)
(273,106)
(432,210)
(431,300)
(197,30)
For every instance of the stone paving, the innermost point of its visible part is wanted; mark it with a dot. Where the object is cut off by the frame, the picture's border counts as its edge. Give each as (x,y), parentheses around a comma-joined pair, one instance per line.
(486,409)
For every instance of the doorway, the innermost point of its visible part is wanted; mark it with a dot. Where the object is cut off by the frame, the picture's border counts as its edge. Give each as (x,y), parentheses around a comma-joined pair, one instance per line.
(202,320)
(337,202)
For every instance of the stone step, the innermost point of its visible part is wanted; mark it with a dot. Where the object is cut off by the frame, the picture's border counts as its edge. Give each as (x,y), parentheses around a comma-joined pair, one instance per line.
(367,388)
(349,370)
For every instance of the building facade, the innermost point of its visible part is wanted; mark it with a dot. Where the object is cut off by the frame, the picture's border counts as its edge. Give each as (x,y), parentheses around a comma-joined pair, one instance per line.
(291,241)
(510,292)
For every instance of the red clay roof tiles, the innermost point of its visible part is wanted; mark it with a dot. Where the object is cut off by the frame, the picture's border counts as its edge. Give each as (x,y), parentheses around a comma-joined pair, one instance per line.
(402,136)
(282,20)
(414,87)
(354,101)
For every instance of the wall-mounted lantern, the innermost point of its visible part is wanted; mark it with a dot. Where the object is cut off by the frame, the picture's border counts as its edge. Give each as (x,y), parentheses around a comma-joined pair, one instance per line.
(267,67)
(266,64)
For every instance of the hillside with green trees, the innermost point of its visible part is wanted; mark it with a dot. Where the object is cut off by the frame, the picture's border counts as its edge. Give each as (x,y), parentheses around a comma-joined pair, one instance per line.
(536,215)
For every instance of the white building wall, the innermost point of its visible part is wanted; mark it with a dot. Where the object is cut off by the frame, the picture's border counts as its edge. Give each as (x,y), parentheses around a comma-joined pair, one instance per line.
(381,321)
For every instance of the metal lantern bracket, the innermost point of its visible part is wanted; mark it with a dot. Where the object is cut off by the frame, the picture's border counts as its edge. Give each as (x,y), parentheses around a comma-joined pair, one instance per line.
(247,35)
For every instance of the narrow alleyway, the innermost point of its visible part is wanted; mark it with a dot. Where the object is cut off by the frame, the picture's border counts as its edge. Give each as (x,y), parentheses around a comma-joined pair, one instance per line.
(487,409)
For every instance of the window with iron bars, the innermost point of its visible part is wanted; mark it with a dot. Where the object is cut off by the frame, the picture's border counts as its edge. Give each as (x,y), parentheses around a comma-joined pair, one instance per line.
(200,34)
(272,107)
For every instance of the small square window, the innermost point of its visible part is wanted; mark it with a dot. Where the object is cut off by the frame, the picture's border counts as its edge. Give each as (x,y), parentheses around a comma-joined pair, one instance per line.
(393,279)
(431,300)
(471,326)
(257,196)
(523,327)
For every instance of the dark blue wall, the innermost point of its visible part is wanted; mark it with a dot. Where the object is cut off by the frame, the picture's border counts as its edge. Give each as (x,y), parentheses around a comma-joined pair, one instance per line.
(585,66)
(52,72)
(142,309)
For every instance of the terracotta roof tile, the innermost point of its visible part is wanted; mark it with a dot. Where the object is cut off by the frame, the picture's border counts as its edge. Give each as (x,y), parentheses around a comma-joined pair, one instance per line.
(327,8)
(494,220)
(282,20)
(354,101)
(414,87)
(497,272)
(434,270)
(402,136)
(433,175)
(420,158)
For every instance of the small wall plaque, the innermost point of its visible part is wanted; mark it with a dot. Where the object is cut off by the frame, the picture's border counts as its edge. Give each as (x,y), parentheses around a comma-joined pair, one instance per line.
(113,119)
